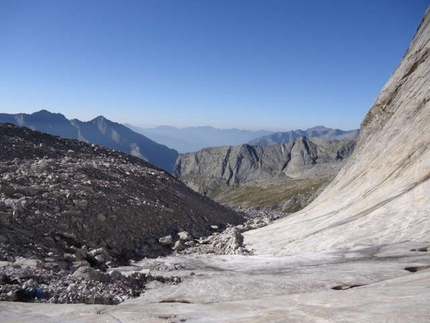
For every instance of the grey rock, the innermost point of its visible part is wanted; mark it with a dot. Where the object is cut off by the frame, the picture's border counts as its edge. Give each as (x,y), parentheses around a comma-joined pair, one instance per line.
(31,283)
(5,218)
(166,241)
(28,263)
(80,263)
(178,246)
(83,204)
(87,273)
(70,257)
(185,236)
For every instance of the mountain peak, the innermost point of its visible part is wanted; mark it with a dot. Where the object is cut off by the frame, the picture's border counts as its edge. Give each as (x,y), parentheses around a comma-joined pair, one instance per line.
(318,128)
(100,118)
(47,115)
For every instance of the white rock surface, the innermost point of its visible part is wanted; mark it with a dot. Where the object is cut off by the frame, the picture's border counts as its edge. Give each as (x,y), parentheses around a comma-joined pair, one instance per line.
(382,195)
(289,288)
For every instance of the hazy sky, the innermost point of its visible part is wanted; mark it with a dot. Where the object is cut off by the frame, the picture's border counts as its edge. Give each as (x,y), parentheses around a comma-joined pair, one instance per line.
(268,64)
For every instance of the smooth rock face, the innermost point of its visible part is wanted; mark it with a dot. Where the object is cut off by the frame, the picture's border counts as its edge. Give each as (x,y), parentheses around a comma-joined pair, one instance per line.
(362,285)
(382,195)
(211,169)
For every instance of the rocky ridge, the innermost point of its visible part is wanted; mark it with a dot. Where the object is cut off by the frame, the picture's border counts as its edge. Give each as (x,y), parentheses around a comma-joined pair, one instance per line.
(289,136)
(211,169)
(283,177)
(100,131)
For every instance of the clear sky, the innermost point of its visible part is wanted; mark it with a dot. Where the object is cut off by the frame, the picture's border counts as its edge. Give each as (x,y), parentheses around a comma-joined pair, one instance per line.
(275,65)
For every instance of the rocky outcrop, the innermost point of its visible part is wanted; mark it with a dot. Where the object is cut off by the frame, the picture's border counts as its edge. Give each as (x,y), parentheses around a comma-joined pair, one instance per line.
(211,169)
(383,192)
(289,136)
(58,195)
(99,131)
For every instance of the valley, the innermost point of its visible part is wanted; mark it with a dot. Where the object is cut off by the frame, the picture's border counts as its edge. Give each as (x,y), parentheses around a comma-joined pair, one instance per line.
(311,230)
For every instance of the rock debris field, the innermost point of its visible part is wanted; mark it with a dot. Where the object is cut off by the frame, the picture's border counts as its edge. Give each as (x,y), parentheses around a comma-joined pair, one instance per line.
(72,212)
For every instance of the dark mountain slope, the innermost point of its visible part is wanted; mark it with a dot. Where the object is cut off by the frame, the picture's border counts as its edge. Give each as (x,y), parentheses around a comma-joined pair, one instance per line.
(58,193)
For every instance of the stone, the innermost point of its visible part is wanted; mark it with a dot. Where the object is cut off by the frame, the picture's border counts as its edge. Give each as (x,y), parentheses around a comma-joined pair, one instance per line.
(5,217)
(83,204)
(178,246)
(7,190)
(87,273)
(80,263)
(31,283)
(32,190)
(185,236)
(116,275)
(166,241)
(28,263)
(70,257)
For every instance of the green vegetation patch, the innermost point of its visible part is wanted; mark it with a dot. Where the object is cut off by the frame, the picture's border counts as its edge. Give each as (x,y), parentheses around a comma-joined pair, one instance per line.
(290,196)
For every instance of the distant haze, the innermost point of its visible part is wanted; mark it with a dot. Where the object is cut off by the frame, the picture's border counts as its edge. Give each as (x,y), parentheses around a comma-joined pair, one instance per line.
(192,139)
(196,138)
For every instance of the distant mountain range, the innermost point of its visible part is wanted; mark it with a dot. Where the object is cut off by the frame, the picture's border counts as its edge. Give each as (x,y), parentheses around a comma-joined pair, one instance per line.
(192,139)
(99,131)
(289,136)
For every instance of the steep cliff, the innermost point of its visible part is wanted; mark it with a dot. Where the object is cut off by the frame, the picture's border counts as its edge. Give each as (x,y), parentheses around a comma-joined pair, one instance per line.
(382,195)
(211,169)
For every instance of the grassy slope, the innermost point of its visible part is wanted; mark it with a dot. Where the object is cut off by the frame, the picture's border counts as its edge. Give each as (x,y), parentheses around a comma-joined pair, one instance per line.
(288,197)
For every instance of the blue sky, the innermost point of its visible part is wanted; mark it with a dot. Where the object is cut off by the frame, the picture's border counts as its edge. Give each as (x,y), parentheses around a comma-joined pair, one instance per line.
(275,65)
